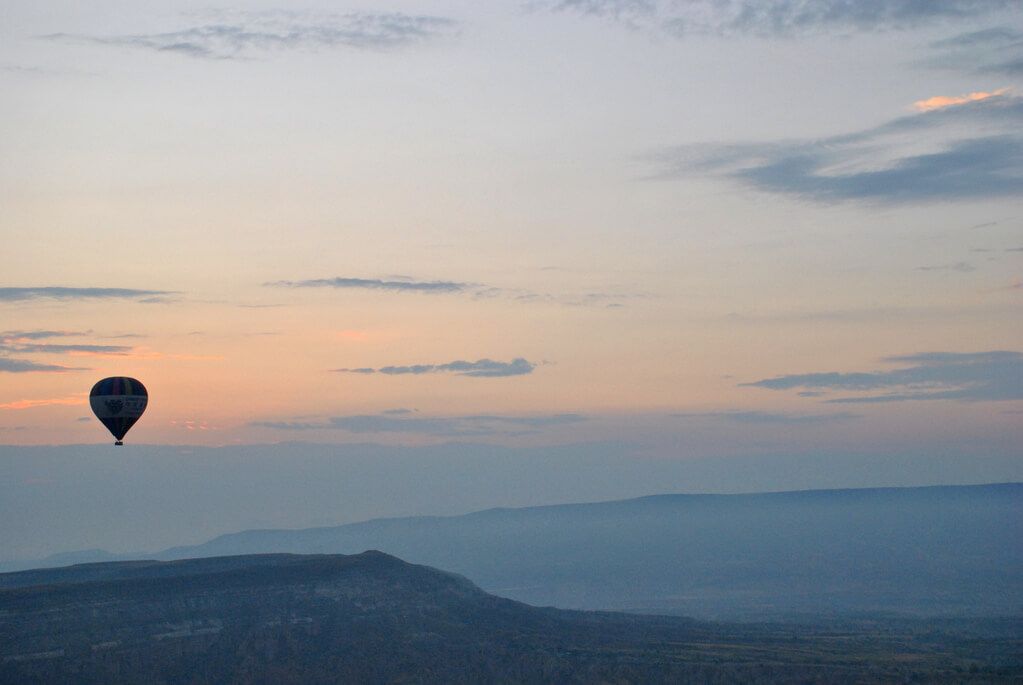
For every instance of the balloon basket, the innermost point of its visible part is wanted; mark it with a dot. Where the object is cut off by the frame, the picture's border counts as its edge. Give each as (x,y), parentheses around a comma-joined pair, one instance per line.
(119,442)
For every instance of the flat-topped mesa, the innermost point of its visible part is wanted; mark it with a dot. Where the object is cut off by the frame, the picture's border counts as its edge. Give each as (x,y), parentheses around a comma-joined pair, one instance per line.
(371,569)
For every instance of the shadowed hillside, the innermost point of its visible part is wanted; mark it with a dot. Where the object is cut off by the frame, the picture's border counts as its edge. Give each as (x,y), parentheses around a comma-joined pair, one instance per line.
(374,618)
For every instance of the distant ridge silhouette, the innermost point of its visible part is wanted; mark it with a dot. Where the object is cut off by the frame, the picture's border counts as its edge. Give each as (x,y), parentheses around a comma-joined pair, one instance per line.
(930,550)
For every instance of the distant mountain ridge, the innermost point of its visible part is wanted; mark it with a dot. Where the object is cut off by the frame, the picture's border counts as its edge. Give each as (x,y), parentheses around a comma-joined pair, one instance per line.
(931,550)
(372,618)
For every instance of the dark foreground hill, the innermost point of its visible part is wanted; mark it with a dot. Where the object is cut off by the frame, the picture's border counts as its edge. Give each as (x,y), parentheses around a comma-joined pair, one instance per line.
(922,551)
(374,618)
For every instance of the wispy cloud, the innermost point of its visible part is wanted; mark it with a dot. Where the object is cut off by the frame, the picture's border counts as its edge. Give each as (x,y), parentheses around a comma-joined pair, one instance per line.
(630,12)
(67,349)
(26,342)
(882,164)
(942,101)
(999,35)
(65,293)
(770,18)
(969,376)
(40,334)
(411,286)
(762,417)
(961,267)
(9,365)
(238,35)
(49,402)
(477,425)
(481,368)
(997,50)
(479,291)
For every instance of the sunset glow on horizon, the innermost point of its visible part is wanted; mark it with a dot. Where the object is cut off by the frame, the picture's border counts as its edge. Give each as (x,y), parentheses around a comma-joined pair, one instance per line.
(516,223)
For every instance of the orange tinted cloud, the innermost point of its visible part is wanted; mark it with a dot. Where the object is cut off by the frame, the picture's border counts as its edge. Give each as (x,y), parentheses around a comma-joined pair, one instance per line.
(29,404)
(189,424)
(942,101)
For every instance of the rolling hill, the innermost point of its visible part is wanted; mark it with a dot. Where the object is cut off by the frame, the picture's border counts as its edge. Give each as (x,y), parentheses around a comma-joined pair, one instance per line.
(374,618)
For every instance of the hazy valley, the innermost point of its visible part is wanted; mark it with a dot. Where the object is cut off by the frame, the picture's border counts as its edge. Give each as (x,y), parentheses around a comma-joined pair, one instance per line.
(899,551)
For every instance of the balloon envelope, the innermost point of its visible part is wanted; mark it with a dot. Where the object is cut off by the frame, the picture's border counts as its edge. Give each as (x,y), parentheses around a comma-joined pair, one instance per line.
(118,402)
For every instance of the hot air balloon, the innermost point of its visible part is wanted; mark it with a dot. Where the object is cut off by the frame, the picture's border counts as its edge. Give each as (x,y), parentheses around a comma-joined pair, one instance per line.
(118,402)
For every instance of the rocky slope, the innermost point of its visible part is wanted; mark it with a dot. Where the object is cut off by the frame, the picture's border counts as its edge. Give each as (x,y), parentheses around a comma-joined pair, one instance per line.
(374,618)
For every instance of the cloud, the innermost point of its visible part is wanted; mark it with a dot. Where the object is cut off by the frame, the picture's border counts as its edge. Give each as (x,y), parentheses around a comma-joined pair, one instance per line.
(25,342)
(481,368)
(999,35)
(606,300)
(9,365)
(40,335)
(762,417)
(770,18)
(630,12)
(997,50)
(477,425)
(942,101)
(884,164)
(971,376)
(479,291)
(376,284)
(961,267)
(238,35)
(63,293)
(66,349)
(55,401)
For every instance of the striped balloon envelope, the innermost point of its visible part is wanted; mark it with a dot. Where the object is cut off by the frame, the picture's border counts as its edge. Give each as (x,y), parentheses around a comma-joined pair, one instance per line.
(118,402)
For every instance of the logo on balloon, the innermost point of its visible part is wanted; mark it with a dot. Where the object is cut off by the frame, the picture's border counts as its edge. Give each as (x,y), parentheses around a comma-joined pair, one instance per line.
(115,406)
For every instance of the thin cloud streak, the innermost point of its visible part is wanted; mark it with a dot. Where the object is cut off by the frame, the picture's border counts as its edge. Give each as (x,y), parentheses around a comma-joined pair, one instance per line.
(376,284)
(114,350)
(25,342)
(56,401)
(777,18)
(942,101)
(12,294)
(997,50)
(971,377)
(40,335)
(961,168)
(961,267)
(9,365)
(255,33)
(481,368)
(479,291)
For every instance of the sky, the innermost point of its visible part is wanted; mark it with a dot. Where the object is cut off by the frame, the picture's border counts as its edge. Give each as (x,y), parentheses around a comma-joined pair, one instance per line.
(702,229)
